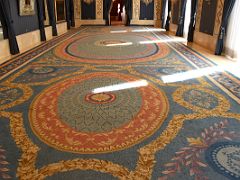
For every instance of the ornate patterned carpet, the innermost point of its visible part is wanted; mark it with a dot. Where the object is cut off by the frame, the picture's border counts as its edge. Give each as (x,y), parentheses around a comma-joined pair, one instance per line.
(117,103)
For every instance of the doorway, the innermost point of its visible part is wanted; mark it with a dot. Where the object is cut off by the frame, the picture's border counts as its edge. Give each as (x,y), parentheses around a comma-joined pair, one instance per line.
(117,13)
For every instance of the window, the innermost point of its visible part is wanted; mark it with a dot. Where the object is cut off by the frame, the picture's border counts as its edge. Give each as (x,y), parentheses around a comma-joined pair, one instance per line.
(60,10)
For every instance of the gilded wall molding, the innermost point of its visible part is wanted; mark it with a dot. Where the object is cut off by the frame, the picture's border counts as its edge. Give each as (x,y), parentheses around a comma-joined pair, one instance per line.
(199,13)
(99,13)
(136,9)
(99,9)
(77,9)
(136,13)
(157,9)
(218,18)
(203,39)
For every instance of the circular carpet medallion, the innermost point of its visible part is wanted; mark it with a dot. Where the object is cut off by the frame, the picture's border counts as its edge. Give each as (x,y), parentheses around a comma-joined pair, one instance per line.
(224,157)
(74,116)
(111,48)
(42,70)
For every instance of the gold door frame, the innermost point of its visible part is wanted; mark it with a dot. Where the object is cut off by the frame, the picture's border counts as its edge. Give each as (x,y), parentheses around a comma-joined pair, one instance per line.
(206,40)
(136,14)
(135,17)
(99,14)
(218,18)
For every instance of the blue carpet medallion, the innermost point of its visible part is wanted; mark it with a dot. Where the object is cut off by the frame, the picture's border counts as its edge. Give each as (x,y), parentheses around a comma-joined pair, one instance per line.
(99,103)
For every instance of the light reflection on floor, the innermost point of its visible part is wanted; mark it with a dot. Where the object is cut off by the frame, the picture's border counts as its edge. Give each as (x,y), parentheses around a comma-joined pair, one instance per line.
(223,63)
(163,41)
(139,30)
(123,86)
(183,76)
(120,44)
(229,65)
(192,74)
(147,42)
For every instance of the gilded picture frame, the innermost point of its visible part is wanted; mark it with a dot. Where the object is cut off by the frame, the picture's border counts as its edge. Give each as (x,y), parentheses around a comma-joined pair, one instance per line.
(26,7)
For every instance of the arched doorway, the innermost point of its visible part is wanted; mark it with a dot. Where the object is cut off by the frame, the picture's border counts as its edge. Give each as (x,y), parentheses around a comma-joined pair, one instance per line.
(117,13)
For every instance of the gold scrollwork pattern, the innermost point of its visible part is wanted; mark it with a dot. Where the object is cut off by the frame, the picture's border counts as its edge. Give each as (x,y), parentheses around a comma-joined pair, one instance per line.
(77,9)
(136,9)
(218,19)
(219,11)
(99,9)
(222,104)
(85,164)
(199,13)
(26,90)
(157,10)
